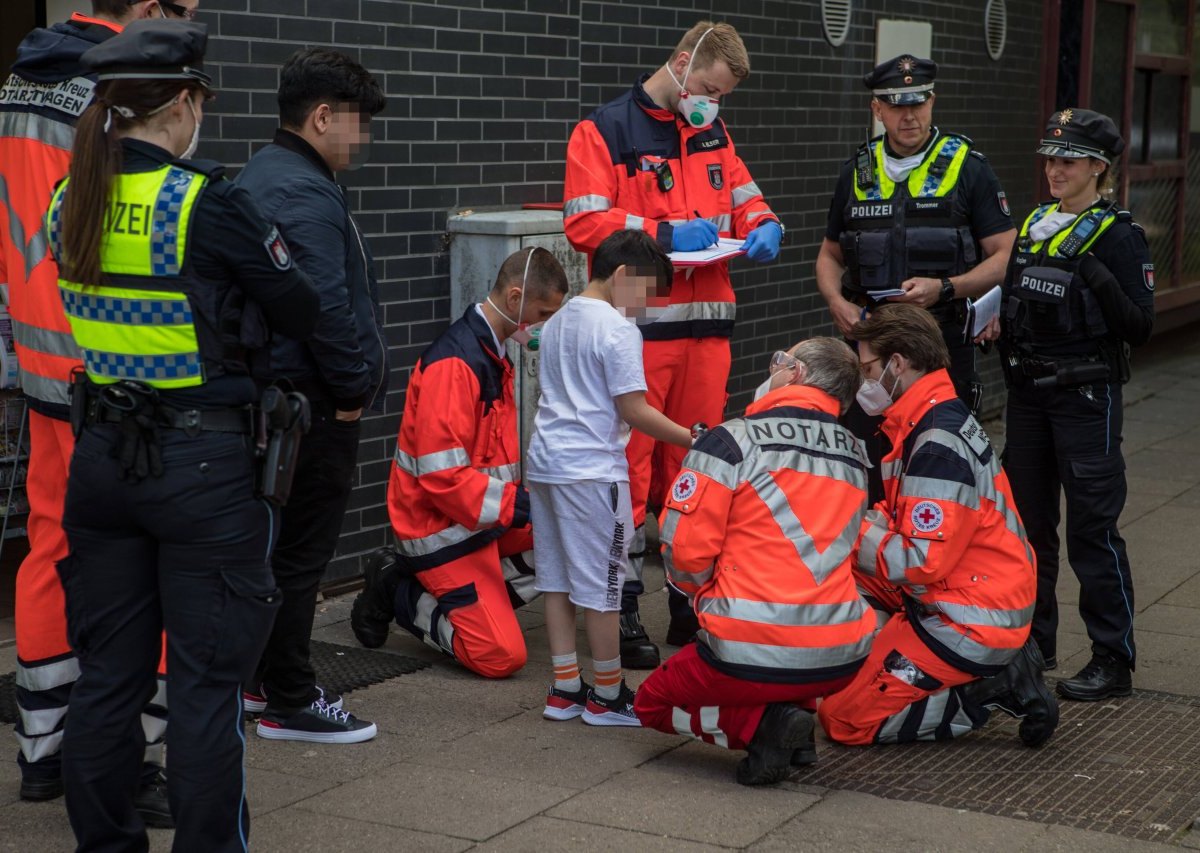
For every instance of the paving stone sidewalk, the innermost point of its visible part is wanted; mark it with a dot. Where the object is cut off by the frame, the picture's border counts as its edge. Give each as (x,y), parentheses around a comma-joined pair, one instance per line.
(466,764)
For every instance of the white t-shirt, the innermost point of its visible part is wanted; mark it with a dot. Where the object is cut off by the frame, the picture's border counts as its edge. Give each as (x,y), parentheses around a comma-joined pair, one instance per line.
(589,355)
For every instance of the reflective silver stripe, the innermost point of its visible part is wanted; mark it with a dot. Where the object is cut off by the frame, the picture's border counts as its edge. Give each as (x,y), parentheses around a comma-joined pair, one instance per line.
(963,645)
(710,716)
(438,630)
(745,193)
(784,657)
(41,722)
(666,535)
(682,721)
(971,614)
(46,340)
(452,535)
(45,389)
(37,748)
(754,214)
(634,223)
(821,564)
(40,128)
(677,576)
(725,473)
(790,615)
(800,460)
(46,676)
(942,490)
(724,222)
(890,730)
(891,470)
(509,473)
(683,312)
(586,204)
(431,463)
(493,500)
(34,249)
(807,434)
(868,546)
(900,555)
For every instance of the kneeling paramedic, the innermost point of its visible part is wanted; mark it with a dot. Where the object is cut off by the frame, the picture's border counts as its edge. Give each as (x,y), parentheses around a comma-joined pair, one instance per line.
(172,282)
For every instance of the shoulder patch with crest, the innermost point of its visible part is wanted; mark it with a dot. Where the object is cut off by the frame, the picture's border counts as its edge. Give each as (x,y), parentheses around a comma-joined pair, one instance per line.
(926,516)
(278,251)
(1003,200)
(1148,276)
(685,486)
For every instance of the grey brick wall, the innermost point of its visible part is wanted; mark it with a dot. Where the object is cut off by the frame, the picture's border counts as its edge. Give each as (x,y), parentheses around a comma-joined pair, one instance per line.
(483,97)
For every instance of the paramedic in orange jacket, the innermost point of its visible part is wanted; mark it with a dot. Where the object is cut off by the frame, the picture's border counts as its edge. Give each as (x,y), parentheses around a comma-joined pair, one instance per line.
(758,531)
(39,105)
(458,510)
(658,159)
(944,556)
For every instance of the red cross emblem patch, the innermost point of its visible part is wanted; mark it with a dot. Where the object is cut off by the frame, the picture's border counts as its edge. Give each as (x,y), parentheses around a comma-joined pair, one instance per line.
(685,486)
(927,516)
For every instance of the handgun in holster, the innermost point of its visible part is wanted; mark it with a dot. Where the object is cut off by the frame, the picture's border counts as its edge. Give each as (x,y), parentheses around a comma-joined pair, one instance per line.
(80,400)
(283,417)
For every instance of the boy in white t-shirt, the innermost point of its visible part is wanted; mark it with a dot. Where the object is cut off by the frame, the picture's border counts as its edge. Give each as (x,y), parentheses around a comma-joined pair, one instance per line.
(593,391)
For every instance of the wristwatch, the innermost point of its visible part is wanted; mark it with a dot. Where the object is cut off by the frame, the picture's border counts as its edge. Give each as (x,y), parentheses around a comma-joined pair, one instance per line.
(947,293)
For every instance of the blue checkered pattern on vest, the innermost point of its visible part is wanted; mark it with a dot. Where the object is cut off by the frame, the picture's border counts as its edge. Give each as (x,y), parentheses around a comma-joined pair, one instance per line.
(115,365)
(127,311)
(164,231)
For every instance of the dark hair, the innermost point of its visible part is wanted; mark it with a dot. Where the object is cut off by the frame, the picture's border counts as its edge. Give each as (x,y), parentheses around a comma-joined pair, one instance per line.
(634,249)
(546,275)
(96,160)
(318,75)
(907,330)
(112,8)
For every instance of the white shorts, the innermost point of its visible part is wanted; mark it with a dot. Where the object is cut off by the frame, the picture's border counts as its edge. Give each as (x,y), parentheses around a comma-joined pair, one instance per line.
(581,536)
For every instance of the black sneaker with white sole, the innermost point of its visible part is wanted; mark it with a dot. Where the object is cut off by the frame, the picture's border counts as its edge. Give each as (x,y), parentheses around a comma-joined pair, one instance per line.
(254,699)
(611,712)
(318,723)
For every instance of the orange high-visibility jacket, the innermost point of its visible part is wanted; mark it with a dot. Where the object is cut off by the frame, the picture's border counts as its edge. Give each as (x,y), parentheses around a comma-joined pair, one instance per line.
(948,532)
(453,487)
(39,105)
(632,164)
(759,529)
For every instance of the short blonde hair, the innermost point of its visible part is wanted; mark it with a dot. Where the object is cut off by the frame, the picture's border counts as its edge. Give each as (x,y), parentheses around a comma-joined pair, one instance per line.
(723,44)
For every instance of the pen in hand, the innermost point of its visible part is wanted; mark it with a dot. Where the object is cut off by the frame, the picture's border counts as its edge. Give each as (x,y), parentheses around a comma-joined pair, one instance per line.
(715,233)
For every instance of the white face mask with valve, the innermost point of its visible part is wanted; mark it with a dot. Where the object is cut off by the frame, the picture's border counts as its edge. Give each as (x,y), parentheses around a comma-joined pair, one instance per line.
(700,111)
(527,334)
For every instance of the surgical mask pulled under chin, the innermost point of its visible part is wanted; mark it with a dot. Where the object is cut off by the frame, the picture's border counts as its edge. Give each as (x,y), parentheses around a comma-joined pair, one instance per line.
(195,143)
(873,397)
(527,335)
(762,390)
(700,111)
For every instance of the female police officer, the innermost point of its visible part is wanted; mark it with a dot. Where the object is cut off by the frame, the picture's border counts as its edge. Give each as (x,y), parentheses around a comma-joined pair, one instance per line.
(170,279)
(1079,291)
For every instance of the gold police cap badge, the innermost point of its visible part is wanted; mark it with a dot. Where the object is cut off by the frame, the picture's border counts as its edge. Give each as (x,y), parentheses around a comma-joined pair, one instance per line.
(1065,117)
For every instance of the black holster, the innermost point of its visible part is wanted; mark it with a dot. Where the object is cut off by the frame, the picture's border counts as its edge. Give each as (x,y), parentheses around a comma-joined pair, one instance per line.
(79,401)
(282,419)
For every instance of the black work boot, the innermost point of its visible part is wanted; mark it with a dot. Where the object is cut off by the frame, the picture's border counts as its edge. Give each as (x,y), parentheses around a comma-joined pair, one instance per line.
(1020,692)
(683,628)
(637,652)
(151,802)
(806,756)
(374,608)
(1105,675)
(36,787)
(782,730)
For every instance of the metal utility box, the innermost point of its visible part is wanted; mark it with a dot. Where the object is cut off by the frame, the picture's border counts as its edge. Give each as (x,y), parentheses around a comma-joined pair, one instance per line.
(480,242)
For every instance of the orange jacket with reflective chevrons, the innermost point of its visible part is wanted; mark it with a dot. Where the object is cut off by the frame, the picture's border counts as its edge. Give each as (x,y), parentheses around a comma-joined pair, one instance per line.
(632,164)
(759,529)
(39,105)
(453,487)
(948,533)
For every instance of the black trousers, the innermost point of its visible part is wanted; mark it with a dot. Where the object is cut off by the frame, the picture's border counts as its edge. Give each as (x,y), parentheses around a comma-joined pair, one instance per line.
(312,521)
(866,427)
(1069,440)
(185,552)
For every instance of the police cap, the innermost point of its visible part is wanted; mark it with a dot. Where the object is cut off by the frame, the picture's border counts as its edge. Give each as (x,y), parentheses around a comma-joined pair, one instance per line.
(152,50)
(903,80)
(1081,133)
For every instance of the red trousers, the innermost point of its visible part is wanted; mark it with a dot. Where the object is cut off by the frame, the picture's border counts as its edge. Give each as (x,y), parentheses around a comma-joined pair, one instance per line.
(687,696)
(685,380)
(900,672)
(484,635)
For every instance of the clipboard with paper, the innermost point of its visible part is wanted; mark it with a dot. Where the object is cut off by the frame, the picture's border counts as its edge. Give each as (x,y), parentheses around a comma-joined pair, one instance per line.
(722,250)
(980,312)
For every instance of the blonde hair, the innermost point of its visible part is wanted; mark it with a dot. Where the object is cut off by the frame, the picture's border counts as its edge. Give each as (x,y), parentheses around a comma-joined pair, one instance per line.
(1109,182)
(722,44)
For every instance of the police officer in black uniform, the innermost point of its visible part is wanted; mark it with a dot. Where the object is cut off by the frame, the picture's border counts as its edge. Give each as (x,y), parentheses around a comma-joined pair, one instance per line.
(171,280)
(1079,291)
(917,216)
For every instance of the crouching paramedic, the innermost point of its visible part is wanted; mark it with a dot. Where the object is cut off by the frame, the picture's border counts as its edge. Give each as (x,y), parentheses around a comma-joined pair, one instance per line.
(758,530)
(461,518)
(944,555)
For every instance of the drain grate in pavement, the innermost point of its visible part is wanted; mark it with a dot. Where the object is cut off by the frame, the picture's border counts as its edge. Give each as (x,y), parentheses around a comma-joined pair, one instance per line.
(1130,767)
(339,668)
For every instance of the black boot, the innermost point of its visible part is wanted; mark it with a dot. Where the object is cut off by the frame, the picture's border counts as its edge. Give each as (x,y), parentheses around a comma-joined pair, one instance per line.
(683,628)
(374,608)
(637,652)
(151,802)
(782,730)
(1020,692)
(1105,675)
(36,787)
(806,756)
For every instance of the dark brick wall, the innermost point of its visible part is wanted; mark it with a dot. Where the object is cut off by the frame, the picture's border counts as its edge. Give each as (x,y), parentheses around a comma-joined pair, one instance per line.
(483,97)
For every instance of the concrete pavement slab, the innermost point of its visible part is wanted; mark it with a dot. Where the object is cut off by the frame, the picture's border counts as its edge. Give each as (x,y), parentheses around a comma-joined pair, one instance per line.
(268,790)
(1171,619)
(333,762)
(1187,500)
(541,834)
(296,828)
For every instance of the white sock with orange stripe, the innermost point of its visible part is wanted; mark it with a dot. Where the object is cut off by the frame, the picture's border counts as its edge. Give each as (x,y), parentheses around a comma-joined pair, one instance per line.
(566,672)
(608,677)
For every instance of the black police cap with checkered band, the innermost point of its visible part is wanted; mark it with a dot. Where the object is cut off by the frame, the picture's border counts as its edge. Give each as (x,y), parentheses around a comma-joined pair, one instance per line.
(1079,133)
(904,80)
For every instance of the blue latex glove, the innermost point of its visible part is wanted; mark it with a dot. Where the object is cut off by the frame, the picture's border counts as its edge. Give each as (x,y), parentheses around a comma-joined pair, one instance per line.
(763,243)
(694,235)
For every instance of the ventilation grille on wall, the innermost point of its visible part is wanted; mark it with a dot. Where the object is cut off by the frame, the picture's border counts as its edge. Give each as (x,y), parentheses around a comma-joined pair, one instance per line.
(835,18)
(995,26)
